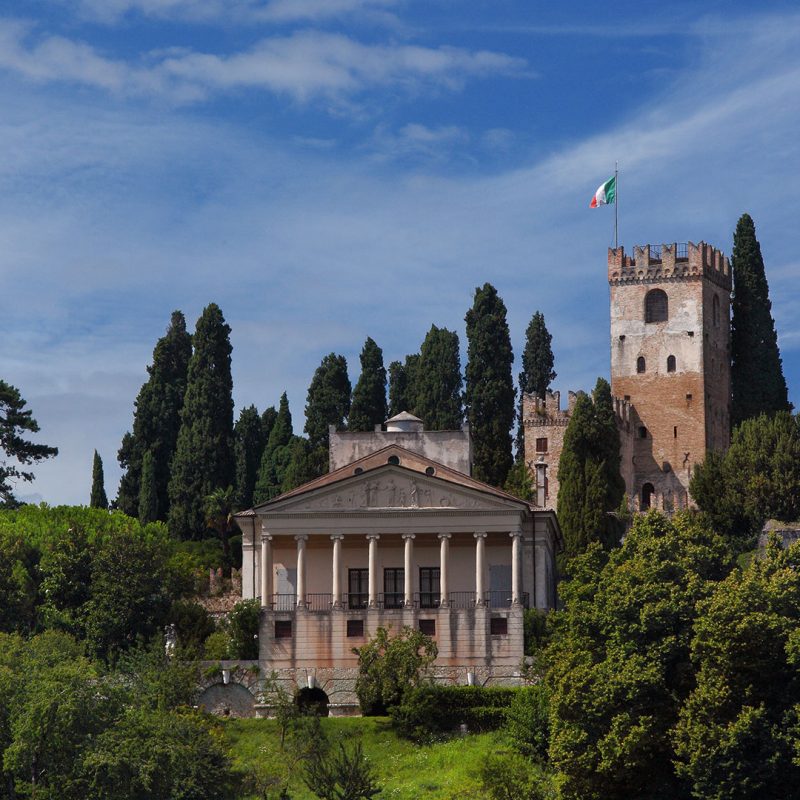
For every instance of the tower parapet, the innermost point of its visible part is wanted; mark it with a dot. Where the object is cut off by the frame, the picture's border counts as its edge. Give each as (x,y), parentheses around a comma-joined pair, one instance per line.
(669,262)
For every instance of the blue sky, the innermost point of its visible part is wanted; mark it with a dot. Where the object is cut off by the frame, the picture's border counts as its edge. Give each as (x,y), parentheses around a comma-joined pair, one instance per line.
(328,170)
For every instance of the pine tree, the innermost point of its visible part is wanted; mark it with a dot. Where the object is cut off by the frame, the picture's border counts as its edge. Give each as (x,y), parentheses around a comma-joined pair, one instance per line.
(156,419)
(98,497)
(757,381)
(203,458)
(591,487)
(368,408)
(537,370)
(490,387)
(15,420)
(276,455)
(148,495)
(438,381)
(328,403)
(249,444)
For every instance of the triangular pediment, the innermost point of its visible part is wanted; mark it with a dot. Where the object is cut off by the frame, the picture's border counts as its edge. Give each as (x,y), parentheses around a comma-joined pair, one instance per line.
(392,488)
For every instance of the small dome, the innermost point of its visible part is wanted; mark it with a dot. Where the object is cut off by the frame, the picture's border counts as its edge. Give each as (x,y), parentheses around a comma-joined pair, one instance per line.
(404,423)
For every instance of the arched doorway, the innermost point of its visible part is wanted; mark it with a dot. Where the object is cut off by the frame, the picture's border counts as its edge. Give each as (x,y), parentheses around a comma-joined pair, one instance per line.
(648,490)
(312,701)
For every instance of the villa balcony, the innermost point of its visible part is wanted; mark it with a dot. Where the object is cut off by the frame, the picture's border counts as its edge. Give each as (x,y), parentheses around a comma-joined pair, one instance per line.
(325,602)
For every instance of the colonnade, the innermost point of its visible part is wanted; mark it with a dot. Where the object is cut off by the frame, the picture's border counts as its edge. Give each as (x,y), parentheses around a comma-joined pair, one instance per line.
(408,561)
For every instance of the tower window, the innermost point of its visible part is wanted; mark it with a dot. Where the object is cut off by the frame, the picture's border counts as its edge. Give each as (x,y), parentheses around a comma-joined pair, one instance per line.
(641,366)
(647,495)
(541,445)
(655,306)
(642,432)
(670,363)
(675,432)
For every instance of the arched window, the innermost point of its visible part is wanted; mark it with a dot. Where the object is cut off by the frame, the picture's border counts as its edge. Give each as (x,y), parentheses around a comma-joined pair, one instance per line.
(715,310)
(670,363)
(648,490)
(655,306)
(640,364)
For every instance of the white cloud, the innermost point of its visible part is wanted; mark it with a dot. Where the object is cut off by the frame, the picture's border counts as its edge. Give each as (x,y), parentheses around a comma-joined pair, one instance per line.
(418,141)
(303,65)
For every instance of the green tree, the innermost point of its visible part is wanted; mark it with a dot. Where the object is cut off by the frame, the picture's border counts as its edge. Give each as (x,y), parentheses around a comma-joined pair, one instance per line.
(344,773)
(390,665)
(399,398)
(328,403)
(98,497)
(537,370)
(301,466)
(620,665)
(15,421)
(156,419)
(757,479)
(368,408)
(738,734)
(591,487)
(19,590)
(249,443)
(148,492)
(519,482)
(276,456)
(243,628)
(757,381)
(489,386)
(218,511)
(268,419)
(437,384)
(203,458)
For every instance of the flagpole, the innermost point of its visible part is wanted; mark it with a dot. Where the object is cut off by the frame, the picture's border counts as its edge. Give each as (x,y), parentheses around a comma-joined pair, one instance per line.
(616,205)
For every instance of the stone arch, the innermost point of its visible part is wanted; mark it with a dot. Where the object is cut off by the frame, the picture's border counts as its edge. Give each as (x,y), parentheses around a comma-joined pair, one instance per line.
(648,492)
(670,363)
(641,365)
(227,700)
(313,699)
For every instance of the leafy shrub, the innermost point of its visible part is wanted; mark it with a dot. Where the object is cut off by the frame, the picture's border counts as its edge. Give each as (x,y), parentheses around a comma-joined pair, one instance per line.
(528,721)
(193,625)
(431,710)
(218,646)
(388,666)
(243,629)
(510,776)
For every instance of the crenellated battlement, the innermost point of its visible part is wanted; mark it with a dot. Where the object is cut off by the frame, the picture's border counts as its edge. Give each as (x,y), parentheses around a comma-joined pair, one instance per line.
(676,261)
(622,411)
(540,413)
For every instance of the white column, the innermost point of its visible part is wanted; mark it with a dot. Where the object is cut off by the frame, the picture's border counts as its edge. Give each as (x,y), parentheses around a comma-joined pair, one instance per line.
(516,563)
(444,552)
(301,569)
(408,570)
(266,569)
(373,569)
(337,569)
(480,568)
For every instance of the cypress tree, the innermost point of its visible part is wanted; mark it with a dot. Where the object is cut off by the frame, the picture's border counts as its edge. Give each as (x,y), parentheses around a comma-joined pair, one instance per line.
(402,385)
(438,381)
(490,386)
(537,370)
(249,444)
(268,421)
(276,455)
(148,496)
(757,382)
(368,408)
(156,419)
(203,459)
(590,482)
(300,468)
(98,497)
(328,403)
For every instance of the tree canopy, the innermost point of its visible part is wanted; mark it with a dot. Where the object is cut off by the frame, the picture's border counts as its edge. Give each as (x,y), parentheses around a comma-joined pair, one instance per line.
(368,408)
(203,458)
(250,440)
(757,382)
(98,498)
(437,384)
(489,386)
(15,422)
(328,403)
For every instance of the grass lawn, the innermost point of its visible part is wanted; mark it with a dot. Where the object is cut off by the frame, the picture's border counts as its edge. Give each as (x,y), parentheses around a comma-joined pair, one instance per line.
(443,771)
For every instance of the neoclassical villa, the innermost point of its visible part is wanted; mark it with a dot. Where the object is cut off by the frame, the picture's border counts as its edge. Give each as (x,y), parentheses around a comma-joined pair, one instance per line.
(397,533)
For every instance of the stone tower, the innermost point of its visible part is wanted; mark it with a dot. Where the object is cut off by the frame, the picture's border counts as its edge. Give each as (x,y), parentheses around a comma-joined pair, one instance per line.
(670,364)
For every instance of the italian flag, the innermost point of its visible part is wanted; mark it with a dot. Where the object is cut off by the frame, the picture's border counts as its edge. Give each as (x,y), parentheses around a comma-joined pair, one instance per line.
(606,193)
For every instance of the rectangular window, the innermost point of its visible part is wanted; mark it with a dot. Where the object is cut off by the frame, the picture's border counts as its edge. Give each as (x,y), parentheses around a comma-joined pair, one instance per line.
(357,588)
(541,445)
(675,432)
(393,587)
(355,627)
(283,629)
(498,626)
(429,587)
(428,626)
